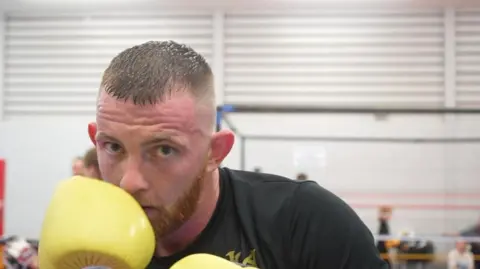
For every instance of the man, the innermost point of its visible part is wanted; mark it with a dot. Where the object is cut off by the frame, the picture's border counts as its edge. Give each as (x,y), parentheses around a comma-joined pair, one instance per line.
(155,138)
(473,231)
(460,257)
(302,176)
(384,216)
(90,161)
(77,166)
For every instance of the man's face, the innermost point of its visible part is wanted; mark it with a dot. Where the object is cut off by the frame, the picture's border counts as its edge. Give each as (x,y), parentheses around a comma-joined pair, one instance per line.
(92,172)
(157,153)
(77,168)
(385,214)
(461,246)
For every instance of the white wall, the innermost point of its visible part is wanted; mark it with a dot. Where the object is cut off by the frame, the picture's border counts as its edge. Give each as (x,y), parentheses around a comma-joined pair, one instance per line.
(38,154)
(38,144)
(368,174)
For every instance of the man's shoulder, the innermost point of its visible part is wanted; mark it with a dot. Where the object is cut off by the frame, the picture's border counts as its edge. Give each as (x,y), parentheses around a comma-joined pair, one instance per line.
(254,184)
(259,179)
(274,192)
(260,195)
(296,215)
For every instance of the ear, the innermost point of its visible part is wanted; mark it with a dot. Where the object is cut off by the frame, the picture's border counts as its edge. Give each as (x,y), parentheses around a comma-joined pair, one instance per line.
(92,132)
(222,143)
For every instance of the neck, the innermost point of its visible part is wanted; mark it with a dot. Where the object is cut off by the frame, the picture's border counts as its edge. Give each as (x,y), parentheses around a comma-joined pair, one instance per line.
(179,239)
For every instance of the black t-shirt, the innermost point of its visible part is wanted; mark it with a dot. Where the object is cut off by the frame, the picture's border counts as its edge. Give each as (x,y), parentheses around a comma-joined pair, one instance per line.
(270,222)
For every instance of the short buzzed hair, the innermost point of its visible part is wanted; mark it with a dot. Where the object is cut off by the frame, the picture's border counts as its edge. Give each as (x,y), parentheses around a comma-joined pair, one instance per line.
(149,72)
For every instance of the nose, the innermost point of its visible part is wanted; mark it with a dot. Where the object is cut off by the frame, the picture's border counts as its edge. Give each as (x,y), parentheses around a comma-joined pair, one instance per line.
(133,180)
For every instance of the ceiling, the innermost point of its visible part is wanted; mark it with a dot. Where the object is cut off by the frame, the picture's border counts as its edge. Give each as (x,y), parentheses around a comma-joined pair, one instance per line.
(101,5)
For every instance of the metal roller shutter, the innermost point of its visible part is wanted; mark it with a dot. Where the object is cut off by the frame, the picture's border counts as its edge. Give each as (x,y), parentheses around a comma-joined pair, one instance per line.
(468,58)
(346,58)
(54,63)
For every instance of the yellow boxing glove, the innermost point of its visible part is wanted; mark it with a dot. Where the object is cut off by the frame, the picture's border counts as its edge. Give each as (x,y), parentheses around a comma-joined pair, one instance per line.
(206,261)
(91,223)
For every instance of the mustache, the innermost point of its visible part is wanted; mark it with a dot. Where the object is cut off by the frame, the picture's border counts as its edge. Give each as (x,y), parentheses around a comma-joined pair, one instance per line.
(149,201)
(144,201)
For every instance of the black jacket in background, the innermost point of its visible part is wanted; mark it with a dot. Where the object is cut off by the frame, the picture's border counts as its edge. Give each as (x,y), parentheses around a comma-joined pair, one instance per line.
(381,245)
(384,230)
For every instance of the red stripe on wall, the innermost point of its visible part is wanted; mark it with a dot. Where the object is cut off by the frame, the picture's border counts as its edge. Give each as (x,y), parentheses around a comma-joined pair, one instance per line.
(2,194)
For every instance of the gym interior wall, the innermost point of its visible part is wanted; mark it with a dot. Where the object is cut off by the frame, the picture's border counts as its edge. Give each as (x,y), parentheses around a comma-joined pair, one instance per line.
(307,90)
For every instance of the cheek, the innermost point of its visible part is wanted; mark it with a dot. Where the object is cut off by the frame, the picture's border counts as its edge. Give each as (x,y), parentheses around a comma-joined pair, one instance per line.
(174,177)
(190,165)
(108,170)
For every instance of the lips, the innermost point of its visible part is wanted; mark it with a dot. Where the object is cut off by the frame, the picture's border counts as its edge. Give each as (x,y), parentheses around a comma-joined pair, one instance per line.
(149,210)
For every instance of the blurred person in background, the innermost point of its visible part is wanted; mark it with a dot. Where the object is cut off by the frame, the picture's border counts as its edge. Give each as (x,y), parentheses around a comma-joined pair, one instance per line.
(460,257)
(473,231)
(90,161)
(302,176)
(77,166)
(384,216)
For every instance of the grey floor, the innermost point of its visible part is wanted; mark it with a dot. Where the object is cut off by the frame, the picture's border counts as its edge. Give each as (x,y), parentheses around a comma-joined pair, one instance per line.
(420,266)
(427,266)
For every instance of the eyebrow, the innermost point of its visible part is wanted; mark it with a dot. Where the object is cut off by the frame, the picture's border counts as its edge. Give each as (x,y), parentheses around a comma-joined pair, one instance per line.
(157,138)
(102,135)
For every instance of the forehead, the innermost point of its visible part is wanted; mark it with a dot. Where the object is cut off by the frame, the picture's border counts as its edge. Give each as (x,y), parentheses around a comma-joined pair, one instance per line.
(179,108)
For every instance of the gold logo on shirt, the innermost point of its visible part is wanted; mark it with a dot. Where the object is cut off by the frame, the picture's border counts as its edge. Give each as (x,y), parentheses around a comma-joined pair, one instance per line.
(235,257)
